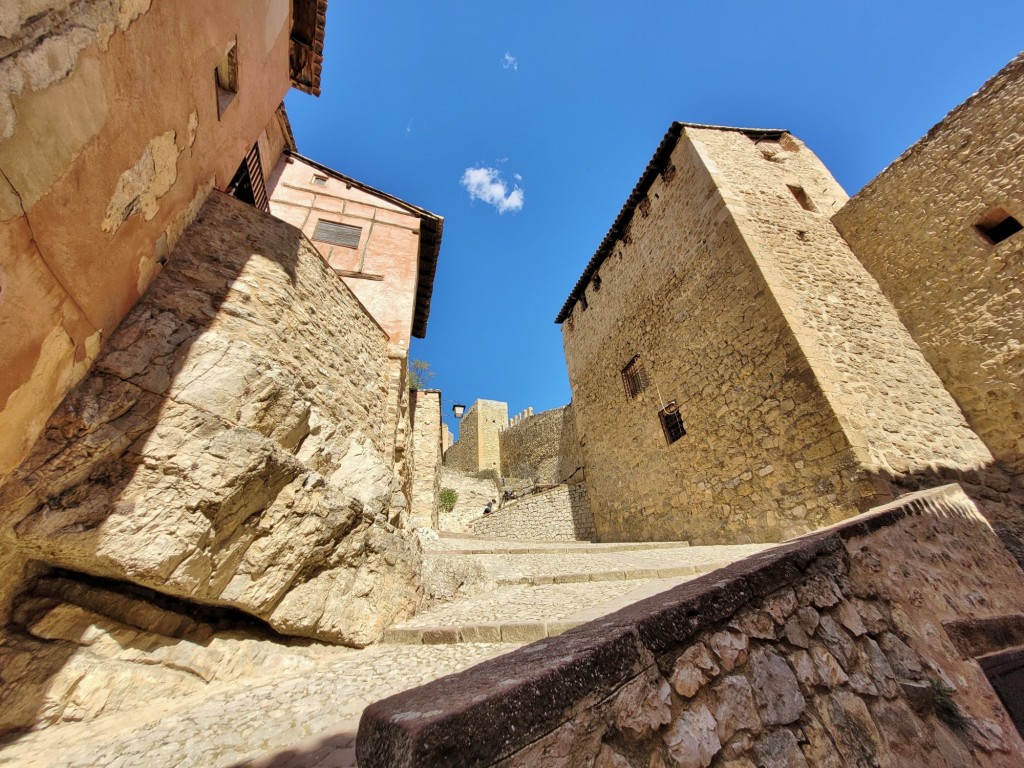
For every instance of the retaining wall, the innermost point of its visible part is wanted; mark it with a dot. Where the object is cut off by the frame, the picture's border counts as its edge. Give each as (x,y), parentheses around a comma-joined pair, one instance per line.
(827,650)
(558,514)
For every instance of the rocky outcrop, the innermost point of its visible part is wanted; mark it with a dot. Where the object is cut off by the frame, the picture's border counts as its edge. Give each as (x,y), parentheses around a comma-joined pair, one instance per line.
(230,446)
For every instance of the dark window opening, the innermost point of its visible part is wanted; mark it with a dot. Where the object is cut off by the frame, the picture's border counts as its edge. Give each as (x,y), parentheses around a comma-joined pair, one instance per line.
(1005,672)
(225,77)
(597,283)
(801,197)
(247,184)
(668,174)
(671,422)
(320,181)
(337,234)
(634,377)
(997,226)
(583,302)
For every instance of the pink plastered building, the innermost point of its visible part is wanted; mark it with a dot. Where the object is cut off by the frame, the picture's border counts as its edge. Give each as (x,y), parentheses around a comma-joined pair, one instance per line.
(384,248)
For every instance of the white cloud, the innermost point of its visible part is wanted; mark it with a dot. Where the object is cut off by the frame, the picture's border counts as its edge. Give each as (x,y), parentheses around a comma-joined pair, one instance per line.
(510,62)
(408,128)
(517,176)
(486,184)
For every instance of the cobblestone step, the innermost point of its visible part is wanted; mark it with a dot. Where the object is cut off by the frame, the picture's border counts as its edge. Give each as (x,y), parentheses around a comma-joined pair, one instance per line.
(548,548)
(566,611)
(635,574)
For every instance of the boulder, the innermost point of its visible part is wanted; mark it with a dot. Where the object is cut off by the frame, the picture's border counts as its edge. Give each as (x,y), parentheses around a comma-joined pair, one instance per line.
(231,445)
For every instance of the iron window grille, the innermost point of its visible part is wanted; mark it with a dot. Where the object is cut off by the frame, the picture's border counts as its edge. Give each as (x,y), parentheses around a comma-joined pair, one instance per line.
(671,422)
(634,377)
(337,234)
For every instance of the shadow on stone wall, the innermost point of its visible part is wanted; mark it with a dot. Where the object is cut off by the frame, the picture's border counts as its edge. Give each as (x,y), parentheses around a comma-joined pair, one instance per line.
(218,452)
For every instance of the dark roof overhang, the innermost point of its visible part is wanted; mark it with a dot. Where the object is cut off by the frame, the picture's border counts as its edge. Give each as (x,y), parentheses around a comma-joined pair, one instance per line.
(306,46)
(658,163)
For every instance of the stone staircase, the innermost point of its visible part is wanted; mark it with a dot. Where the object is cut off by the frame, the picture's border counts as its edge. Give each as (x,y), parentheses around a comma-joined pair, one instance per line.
(539,589)
(188,691)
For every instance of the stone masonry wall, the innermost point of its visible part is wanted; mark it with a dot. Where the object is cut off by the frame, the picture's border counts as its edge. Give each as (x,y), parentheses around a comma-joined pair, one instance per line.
(101,171)
(426,457)
(477,447)
(913,227)
(803,397)
(852,646)
(557,514)
(230,447)
(464,453)
(473,492)
(533,447)
(893,407)
(764,457)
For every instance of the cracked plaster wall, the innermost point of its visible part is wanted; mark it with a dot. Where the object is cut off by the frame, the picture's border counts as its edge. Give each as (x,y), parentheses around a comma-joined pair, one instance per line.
(103,165)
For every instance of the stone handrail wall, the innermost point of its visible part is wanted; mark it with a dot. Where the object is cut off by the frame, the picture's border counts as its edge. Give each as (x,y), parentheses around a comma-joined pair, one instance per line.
(473,492)
(557,514)
(826,650)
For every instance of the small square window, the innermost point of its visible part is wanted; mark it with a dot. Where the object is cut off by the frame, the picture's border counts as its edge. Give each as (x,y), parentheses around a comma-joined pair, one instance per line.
(225,77)
(671,422)
(801,197)
(320,181)
(634,377)
(997,225)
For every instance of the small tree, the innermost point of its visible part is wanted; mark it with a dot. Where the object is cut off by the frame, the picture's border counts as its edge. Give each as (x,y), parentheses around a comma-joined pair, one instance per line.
(419,374)
(447,499)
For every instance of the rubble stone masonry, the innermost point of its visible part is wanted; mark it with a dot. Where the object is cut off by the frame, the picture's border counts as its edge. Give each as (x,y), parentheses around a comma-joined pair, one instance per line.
(557,514)
(847,647)
(959,294)
(477,447)
(426,457)
(541,447)
(800,391)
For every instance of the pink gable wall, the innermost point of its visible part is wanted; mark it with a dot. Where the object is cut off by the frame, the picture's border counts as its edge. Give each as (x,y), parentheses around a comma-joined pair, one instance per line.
(382,270)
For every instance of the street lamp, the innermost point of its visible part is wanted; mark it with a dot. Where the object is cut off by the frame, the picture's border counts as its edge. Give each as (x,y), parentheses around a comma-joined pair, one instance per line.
(458,410)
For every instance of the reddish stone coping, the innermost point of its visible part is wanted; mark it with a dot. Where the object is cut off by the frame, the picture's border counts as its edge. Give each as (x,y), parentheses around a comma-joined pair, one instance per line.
(484,714)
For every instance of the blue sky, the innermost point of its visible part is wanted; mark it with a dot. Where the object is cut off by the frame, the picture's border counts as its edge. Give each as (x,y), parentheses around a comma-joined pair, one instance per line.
(565,102)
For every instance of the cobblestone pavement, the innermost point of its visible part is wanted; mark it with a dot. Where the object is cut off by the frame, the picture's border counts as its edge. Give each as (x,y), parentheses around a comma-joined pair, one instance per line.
(229,724)
(310,718)
(604,563)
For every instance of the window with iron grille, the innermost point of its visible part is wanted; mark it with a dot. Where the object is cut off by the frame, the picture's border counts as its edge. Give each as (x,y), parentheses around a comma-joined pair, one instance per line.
(634,377)
(671,422)
(337,234)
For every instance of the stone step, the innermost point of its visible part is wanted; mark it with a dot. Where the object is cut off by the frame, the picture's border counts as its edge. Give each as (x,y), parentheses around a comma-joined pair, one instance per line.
(462,628)
(509,547)
(634,574)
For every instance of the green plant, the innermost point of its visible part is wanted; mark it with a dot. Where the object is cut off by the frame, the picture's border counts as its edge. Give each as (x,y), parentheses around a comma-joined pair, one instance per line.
(447,498)
(946,708)
(419,374)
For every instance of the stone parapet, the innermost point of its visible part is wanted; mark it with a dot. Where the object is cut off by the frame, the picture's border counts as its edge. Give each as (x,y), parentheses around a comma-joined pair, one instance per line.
(831,647)
(557,514)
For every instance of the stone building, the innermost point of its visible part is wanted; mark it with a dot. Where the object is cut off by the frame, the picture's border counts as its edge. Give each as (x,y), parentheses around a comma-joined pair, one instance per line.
(737,373)
(939,231)
(427,453)
(243,438)
(103,168)
(477,448)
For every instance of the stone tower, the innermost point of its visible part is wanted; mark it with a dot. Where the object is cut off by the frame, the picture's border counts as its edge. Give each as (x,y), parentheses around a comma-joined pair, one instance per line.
(737,374)
(478,447)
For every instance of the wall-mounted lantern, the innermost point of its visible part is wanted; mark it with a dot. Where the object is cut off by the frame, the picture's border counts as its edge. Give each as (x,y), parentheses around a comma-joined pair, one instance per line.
(458,410)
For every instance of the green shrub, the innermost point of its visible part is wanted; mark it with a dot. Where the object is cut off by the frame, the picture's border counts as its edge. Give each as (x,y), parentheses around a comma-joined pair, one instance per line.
(447,499)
